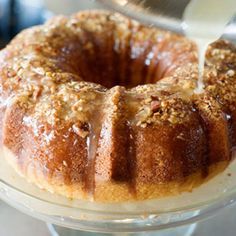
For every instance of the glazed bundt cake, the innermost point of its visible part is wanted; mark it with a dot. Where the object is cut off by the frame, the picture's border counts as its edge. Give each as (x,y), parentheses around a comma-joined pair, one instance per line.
(97,106)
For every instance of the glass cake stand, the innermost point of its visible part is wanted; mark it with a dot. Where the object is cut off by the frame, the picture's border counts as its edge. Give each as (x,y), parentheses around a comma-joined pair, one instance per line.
(164,216)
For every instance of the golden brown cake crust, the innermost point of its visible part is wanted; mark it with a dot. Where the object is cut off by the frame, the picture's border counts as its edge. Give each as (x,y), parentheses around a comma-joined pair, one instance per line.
(98,106)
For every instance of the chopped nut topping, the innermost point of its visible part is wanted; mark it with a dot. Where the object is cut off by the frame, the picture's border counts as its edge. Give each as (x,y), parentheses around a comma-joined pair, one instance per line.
(39,73)
(230,73)
(155,105)
(82,131)
(65,163)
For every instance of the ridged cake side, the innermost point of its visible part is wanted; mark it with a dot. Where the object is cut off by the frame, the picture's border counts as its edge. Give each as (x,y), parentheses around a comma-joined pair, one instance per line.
(69,135)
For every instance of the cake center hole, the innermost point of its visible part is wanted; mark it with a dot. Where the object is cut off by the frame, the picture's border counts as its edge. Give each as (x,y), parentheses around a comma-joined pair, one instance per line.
(99,61)
(111,68)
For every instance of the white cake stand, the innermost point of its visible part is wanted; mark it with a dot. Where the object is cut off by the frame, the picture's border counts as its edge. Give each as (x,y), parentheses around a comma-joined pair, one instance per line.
(164,216)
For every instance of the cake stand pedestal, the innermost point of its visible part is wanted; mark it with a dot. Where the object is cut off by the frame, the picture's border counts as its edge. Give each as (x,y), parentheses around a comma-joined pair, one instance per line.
(187,230)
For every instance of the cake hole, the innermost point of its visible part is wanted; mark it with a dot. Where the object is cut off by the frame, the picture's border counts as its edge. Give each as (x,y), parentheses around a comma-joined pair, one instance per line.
(111,71)
(110,68)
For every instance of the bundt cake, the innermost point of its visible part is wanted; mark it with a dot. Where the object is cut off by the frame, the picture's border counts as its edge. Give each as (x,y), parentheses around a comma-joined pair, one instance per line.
(98,106)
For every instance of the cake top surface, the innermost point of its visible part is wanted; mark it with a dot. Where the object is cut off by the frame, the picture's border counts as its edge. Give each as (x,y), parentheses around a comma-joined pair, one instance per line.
(40,71)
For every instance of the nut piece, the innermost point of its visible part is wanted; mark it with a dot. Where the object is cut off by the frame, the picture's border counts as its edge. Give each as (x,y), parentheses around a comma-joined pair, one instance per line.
(82,130)
(230,73)
(155,105)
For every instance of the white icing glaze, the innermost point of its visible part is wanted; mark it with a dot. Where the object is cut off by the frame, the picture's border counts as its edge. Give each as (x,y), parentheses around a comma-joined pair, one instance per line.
(204,22)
